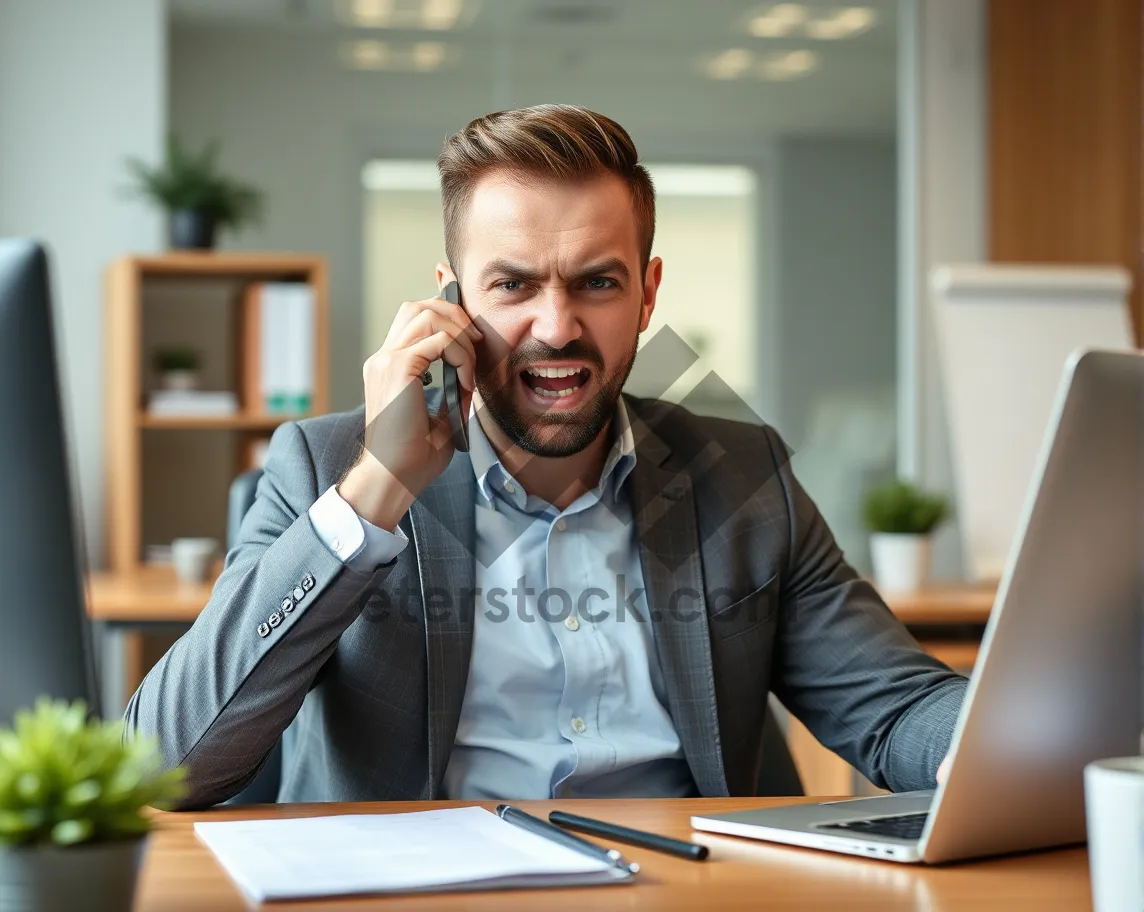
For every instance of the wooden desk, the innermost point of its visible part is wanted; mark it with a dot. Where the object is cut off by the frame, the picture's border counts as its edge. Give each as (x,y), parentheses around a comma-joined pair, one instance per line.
(944,605)
(180,875)
(152,595)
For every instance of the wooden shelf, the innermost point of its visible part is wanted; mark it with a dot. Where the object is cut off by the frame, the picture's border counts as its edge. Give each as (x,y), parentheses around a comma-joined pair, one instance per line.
(189,264)
(239,422)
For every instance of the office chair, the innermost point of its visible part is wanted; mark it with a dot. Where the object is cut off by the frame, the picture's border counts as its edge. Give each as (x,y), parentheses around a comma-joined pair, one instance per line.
(778,776)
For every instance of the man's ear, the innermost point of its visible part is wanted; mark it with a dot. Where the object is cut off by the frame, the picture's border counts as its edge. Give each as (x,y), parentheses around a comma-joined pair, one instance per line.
(653,275)
(445,275)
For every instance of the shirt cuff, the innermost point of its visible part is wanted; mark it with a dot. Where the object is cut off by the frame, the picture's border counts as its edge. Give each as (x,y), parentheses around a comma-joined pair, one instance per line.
(358,543)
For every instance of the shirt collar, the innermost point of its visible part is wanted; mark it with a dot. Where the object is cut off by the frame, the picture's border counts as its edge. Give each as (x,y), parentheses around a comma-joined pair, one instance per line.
(490,473)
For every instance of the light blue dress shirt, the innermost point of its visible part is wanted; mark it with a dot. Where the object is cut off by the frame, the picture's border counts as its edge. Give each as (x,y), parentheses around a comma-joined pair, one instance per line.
(565,696)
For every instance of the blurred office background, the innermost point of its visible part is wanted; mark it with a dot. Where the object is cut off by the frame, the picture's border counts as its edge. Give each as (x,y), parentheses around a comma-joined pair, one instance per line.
(814,161)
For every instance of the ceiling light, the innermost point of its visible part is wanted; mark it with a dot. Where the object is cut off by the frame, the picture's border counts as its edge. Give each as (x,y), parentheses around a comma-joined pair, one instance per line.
(422,57)
(841,23)
(439,15)
(428,55)
(366,55)
(730,64)
(788,65)
(777,21)
(434,15)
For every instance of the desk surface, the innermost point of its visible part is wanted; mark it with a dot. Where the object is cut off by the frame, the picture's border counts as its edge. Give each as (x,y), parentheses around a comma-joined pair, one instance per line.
(180,875)
(152,595)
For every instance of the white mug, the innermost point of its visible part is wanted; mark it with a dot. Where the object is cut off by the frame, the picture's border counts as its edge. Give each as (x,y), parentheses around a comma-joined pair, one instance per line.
(192,558)
(1114,810)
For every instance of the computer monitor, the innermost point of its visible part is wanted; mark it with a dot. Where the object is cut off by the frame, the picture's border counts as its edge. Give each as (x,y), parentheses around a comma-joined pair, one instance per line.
(44,633)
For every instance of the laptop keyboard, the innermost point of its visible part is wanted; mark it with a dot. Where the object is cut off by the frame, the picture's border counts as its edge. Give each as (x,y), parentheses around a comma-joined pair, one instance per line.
(900,826)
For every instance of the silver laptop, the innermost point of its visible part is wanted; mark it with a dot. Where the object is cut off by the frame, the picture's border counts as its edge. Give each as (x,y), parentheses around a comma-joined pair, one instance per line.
(1058,678)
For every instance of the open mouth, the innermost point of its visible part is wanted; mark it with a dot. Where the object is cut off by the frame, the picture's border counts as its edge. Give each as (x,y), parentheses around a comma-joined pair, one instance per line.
(561,387)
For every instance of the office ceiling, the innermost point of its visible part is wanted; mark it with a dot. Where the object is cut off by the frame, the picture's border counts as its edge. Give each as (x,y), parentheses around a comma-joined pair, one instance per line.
(638,52)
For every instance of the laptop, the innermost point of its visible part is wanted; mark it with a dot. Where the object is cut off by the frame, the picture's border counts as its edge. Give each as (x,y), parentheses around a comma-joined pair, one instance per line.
(1058,678)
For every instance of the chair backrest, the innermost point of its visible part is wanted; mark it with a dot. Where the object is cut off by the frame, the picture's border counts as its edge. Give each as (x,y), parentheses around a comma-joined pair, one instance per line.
(242,492)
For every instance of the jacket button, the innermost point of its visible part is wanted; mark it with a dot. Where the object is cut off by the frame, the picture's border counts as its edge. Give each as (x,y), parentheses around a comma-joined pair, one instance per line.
(275,619)
(264,630)
(287,605)
(308,582)
(299,593)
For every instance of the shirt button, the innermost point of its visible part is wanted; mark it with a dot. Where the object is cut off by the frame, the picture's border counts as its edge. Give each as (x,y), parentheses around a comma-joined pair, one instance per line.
(561,525)
(510,487)
(571,622)
(336,544)
(578,725)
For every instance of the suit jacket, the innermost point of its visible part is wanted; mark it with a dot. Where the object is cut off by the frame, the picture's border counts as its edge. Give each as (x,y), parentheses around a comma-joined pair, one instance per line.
(746,589)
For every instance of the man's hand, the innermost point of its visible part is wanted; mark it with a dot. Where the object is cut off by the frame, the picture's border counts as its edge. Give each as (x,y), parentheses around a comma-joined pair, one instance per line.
(943,770)
(405,447)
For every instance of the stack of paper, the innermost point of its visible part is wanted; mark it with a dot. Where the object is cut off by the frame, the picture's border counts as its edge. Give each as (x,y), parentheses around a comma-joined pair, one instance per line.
(279,332)
(192,403)
(451,849)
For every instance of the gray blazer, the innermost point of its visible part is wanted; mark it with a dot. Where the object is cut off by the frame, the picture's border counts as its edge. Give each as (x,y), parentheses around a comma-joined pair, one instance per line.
(747,594)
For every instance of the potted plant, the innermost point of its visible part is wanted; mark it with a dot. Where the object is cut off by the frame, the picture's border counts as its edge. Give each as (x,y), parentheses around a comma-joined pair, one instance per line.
(901,519)
(178,368)
(72,820)
(198,198)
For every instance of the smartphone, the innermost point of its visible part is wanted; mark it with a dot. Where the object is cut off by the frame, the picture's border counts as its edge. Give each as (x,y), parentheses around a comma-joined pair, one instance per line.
(453,389)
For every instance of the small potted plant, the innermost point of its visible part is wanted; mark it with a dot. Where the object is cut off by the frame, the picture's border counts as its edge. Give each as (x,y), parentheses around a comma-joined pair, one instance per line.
(178,368)
(73,794)
(901,519)
(197,197)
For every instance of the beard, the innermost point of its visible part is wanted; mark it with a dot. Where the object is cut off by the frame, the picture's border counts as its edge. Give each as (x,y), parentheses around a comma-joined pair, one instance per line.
(574,431)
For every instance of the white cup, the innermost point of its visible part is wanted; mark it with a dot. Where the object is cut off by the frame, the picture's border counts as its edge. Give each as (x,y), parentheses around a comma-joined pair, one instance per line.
(192,558)
(1114,810)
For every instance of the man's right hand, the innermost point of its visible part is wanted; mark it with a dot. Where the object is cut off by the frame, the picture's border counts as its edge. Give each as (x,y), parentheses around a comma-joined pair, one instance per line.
(405,447)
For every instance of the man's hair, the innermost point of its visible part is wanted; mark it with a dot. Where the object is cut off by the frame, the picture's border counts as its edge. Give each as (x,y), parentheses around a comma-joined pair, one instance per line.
(551,141)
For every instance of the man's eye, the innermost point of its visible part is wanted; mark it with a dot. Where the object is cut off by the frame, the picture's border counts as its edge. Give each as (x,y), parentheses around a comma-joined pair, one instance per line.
(510,285)
(601,284)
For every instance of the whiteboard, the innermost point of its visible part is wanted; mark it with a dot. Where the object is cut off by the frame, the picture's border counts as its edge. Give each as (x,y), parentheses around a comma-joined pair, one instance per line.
(1004,335)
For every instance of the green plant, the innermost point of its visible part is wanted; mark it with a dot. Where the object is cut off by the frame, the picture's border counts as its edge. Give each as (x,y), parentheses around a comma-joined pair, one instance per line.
(67,779)
(192,181)
(175,359)
(900,507)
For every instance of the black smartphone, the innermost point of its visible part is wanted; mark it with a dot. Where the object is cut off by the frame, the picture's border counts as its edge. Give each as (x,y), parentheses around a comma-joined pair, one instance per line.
(453,389)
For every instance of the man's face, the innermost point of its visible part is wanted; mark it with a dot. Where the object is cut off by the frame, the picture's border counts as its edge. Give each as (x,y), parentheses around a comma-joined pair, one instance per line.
(550,272)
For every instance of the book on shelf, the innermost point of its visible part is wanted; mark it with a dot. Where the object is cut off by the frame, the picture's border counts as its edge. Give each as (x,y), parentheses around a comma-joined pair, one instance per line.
(280,328)
(192,403)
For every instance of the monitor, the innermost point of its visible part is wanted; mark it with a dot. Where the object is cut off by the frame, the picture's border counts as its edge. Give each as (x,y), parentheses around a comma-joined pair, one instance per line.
(45,642)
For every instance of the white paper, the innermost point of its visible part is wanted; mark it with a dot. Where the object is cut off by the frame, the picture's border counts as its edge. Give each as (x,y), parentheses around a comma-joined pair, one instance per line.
(381,853)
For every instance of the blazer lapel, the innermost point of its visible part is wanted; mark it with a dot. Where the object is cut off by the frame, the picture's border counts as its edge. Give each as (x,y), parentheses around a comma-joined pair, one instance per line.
(444,535)
(663,504)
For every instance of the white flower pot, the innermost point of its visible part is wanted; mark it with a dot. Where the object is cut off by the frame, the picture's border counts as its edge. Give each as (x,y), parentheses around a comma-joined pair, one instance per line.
(901,562)
(180,380)
(95,878)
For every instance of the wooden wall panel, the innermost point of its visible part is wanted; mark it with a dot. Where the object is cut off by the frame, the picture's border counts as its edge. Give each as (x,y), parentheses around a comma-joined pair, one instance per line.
(1065,134)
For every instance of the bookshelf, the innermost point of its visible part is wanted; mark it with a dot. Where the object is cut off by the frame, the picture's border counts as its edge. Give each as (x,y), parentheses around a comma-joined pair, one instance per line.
(168,475)
(138,289)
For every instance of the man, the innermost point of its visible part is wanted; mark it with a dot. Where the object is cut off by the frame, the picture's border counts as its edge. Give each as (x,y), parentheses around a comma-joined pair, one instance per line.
(595,600)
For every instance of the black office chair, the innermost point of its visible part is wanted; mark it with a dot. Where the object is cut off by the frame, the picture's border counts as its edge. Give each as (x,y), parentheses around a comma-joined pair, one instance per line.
(778,776)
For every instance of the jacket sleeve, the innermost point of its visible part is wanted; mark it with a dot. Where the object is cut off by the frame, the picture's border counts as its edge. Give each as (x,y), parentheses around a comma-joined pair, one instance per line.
(848,668)
(220,698)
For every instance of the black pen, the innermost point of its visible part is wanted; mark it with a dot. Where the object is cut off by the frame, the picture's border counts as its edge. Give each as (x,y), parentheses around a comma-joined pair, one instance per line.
(656,843)
(553,833)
